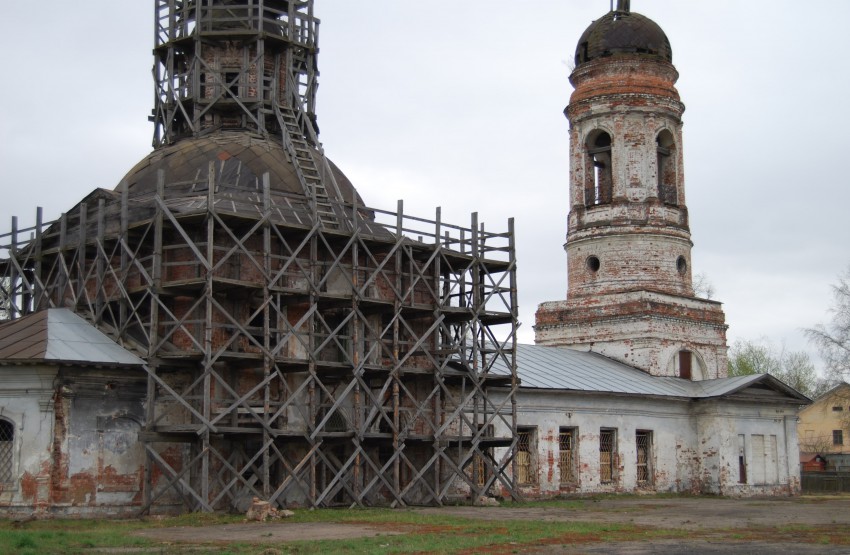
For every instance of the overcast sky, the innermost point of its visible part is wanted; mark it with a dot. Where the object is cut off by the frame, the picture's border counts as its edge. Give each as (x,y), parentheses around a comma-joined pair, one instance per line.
(459,104)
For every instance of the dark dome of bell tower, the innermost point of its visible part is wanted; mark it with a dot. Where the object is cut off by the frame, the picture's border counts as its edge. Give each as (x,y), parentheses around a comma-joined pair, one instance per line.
(622,31)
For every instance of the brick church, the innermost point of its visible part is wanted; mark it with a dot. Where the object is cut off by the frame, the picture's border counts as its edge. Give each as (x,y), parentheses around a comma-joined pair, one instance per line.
(231,321)
(626,388)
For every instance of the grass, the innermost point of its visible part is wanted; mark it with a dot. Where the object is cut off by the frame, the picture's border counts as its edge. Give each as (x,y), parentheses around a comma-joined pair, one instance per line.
(80,536)
(420,532)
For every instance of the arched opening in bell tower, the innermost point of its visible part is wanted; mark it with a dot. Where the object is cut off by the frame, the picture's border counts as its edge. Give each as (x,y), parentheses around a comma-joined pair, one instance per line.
(666,169)
(599,182)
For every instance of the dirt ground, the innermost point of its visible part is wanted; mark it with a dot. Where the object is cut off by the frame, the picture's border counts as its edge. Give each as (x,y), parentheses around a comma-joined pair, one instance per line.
(687,513)
(273,532)
(700,514)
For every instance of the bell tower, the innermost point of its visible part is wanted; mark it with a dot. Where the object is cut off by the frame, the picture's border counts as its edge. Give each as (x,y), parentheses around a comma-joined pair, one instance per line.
(630,294)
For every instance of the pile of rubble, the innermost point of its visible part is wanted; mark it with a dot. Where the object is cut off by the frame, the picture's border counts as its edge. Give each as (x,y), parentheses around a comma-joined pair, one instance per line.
(262,511)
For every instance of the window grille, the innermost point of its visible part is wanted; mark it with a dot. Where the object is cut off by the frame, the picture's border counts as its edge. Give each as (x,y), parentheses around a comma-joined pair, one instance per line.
(607,441)
(480,468)
(566,463)
(525,458)
(7,444)
(643,442)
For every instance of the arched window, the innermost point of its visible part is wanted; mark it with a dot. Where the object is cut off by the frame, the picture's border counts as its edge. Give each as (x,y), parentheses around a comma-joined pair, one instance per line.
(685,370)
(666,146)
(688,365)
(598,188)
(7,448)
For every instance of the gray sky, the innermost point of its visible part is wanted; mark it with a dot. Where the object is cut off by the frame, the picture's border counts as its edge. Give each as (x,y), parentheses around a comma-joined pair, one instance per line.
(459,104)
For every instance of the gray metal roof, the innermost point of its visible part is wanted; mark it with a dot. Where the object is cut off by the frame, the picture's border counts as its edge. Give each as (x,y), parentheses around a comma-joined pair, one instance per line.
(59,335)
(540,367)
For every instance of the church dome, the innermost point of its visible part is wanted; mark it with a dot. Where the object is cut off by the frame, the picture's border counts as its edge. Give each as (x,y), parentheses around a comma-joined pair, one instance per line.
(620,32)
(239,161)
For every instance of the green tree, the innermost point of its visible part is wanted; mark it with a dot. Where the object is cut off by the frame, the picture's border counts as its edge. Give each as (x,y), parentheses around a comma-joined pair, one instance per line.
(794,368)
(833,338)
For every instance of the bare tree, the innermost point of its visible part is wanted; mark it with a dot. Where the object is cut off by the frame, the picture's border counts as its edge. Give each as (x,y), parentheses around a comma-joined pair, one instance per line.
(794,368)
(833,338)
(5,298)
(815,444)
(703,287)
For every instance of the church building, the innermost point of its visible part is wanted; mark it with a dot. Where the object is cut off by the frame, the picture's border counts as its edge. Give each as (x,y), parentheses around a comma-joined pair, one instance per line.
(232,321)
(626,388)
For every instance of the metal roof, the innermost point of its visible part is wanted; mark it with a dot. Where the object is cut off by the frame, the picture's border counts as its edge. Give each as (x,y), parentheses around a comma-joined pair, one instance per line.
(59,335)
(622,32)
(540,367)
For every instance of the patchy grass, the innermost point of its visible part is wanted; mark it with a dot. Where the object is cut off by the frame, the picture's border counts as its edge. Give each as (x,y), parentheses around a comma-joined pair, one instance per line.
(420,532)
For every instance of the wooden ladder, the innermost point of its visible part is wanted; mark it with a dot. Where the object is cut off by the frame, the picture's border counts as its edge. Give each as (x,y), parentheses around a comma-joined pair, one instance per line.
(301,154)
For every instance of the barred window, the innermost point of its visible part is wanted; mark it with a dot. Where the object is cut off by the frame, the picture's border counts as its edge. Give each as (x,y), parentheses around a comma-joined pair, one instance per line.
(568,452)
(838,437)
(7,444)
(526,464)
(480,469)
(643,443)
(607,455)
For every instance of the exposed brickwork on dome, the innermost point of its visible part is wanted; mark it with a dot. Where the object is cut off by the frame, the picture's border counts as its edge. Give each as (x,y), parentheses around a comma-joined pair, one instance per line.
(620,32)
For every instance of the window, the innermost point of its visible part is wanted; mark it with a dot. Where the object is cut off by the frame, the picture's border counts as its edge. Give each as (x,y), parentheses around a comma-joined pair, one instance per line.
(567,455)
(7,448)
(479,469)
(666,168)
(742,460)
(837,437)
(230,83)
(837,409)
(643,445)
(598,187)
(526,464)
(764,468)
(685,365)
(607,455)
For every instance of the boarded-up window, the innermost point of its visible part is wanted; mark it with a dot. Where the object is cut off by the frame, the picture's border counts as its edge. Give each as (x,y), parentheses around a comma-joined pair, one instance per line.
(643,445)
(567,455)
(607,455)
(764,466)
(757,466)
(7,447)
(685,365)
(771,460)
(526,463)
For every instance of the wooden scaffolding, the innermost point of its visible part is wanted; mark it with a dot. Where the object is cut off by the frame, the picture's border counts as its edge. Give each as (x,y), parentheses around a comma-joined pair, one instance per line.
(289,362)
(300,347)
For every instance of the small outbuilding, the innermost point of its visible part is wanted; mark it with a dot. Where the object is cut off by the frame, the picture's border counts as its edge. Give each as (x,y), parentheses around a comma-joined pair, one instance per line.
(72,406)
